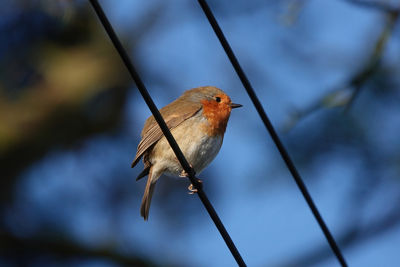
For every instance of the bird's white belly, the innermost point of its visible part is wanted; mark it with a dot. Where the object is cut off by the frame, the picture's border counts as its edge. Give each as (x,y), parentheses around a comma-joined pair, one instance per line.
(198,148)
(203,151)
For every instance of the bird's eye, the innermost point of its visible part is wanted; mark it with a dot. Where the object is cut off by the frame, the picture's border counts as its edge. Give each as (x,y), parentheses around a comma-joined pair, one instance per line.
(218,99)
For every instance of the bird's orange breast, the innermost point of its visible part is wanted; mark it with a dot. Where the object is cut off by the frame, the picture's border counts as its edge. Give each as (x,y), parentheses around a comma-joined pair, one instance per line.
(217,115)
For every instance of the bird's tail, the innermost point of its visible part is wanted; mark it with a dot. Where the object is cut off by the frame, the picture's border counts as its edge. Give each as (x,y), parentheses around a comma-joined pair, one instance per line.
(148,193)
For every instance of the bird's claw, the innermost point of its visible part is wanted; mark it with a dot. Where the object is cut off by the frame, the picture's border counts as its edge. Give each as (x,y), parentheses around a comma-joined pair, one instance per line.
(193,190)
(184,174)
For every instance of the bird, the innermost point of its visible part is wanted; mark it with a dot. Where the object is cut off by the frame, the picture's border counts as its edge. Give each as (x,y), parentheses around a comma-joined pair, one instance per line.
(197,121)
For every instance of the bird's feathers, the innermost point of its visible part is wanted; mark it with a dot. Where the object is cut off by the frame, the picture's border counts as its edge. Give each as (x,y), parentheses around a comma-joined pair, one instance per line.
(152,132)
(143,173)
(148,194)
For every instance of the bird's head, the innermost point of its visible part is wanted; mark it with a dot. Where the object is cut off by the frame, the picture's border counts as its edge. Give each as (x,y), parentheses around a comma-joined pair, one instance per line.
(217,106)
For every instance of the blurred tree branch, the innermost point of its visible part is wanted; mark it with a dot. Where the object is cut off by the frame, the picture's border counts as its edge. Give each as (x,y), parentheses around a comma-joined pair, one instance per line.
(79,89)
(345,95)
(355,234)
(294,7)
(373,64)
(77,94)
(26,250)
(376,5)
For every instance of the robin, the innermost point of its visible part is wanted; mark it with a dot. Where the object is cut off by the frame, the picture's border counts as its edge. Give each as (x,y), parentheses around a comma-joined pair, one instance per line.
(197,120)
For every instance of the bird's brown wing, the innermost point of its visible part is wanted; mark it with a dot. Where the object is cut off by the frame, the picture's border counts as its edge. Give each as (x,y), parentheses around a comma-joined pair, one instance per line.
(152,132)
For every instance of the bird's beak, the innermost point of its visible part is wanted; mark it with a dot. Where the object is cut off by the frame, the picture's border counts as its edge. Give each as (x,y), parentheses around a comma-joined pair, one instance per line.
(233,105)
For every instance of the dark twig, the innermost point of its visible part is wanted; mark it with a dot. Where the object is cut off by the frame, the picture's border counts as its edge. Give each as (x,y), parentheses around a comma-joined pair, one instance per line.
(271,130)
(372,66)
(377,5)
(185,165)
(346,94)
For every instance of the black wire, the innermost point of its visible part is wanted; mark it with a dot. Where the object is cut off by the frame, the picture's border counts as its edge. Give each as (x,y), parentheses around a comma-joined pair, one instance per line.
(178,152)
(271,130)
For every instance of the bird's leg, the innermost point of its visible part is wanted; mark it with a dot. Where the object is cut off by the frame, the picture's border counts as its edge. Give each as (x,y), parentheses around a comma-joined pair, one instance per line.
(193,190)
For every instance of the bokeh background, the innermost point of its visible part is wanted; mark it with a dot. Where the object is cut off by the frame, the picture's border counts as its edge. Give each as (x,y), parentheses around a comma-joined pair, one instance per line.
(327,73)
